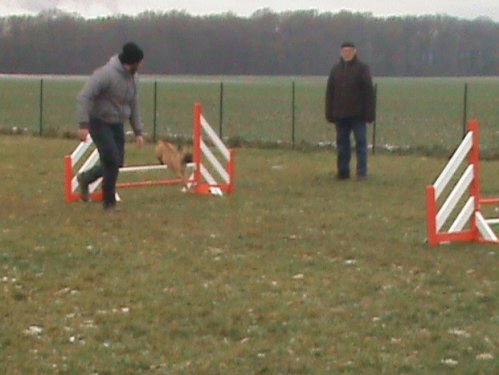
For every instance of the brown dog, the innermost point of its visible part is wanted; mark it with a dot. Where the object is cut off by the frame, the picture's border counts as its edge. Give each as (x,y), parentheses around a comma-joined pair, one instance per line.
(175,158)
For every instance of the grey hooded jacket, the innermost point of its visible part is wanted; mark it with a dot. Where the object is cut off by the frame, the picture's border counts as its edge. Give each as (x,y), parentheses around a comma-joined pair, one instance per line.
(110,95)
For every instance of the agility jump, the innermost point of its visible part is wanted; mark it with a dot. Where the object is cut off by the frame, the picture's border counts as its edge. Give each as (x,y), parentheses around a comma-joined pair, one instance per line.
(201,180)
(469,224)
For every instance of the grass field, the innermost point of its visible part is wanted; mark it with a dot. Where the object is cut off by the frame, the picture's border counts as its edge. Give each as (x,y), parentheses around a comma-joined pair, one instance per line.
(294,274)
(413,113)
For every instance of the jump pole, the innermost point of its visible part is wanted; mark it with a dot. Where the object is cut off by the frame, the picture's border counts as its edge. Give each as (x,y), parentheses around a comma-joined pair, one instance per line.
(201,180)
(205,160)
(469,224)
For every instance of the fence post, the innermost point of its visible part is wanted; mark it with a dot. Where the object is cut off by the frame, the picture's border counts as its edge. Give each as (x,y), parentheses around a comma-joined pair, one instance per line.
(465,108)
(155,116)
(375,116)
(40,119)
(293,112)
(221,110)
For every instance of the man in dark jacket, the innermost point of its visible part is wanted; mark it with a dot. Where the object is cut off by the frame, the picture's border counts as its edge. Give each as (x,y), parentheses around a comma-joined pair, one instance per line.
(108,99)
(350,105)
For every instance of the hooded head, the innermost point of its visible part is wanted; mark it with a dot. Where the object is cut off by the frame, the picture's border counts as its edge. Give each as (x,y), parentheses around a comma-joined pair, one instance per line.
(131,54)
(131,57)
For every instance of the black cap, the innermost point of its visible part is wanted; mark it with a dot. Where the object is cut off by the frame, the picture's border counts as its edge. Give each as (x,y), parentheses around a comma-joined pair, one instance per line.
(131,54)
(347,44)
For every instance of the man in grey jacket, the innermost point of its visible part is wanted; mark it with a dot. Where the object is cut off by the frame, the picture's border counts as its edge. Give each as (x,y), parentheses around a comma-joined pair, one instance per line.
(106,102)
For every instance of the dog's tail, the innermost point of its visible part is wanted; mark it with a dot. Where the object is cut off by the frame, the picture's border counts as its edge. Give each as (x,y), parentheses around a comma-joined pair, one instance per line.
(159,151)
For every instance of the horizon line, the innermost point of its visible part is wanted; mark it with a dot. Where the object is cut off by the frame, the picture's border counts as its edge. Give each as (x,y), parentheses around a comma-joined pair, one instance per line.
(55,10)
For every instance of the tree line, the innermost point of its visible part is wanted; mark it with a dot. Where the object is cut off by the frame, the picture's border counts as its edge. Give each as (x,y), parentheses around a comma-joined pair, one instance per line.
(266,43)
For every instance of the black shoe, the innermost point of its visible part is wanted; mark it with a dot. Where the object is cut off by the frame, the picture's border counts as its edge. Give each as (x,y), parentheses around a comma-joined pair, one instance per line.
(111,207)
(84,193)
(342,176)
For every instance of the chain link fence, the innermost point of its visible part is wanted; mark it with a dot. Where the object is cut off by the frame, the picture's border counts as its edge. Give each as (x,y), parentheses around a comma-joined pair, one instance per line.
(412,113)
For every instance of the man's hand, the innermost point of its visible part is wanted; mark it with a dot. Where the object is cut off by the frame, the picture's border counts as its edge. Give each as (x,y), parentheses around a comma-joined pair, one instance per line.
(83,134)
(139,139)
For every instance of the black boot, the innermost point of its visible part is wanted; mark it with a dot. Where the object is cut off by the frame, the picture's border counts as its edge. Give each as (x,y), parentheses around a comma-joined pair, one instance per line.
(85,178)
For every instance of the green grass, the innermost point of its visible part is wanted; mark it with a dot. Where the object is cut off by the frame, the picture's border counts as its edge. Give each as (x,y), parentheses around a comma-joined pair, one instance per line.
(294,274)
(413,113)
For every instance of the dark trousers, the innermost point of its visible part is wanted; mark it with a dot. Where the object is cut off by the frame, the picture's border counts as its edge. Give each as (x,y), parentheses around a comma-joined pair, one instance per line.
(344,128)
(110,142)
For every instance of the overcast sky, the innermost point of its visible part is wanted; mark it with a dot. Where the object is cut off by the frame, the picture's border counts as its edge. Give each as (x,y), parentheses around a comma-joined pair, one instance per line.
(468,9)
